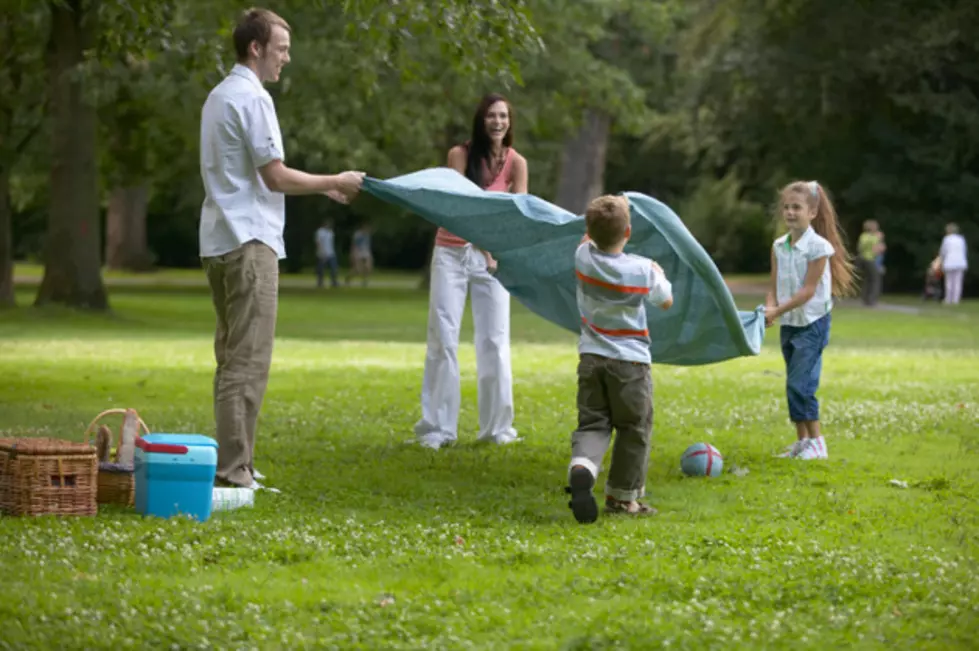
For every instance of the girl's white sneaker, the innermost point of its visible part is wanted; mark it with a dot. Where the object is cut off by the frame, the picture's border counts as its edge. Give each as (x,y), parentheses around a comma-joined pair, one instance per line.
(794,449)
(810,450)
(821,448)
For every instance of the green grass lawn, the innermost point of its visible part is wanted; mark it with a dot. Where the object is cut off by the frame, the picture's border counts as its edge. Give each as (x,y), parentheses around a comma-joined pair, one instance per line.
(377,543)
(31,274)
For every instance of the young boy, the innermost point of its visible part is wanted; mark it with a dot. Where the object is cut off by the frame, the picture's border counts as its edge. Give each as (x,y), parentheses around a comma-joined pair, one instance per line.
(615,388)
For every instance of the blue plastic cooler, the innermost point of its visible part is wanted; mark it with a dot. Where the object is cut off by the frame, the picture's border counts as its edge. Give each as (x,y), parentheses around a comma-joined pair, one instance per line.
(175,475)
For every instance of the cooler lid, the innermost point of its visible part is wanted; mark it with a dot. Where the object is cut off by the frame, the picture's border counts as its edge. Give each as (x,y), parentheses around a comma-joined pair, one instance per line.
(196,440)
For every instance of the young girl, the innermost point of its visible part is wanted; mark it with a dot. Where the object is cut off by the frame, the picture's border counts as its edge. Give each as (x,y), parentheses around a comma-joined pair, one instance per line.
(361,257)
(810,265)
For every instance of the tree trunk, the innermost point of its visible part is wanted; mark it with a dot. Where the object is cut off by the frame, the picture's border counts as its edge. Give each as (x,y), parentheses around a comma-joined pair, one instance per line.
(425,282)
(72,264)
(125,229)
(6,242)
(583,163)
(825,104)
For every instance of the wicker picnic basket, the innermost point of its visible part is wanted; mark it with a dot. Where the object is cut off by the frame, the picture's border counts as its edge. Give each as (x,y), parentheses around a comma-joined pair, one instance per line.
(41,476)
(116,481)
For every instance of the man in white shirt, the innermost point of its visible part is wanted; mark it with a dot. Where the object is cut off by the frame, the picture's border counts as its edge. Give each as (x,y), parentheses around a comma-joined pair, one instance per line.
(326,253)
(242,222)
(954,263)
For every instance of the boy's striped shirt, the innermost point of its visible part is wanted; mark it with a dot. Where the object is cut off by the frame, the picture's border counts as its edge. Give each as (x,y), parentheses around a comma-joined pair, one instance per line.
(613,290)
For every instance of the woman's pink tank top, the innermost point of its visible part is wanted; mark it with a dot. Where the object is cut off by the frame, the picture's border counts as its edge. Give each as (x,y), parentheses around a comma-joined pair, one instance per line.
(499,184)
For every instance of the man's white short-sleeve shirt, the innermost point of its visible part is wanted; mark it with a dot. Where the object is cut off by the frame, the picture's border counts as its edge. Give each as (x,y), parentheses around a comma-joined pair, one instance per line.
(239,134)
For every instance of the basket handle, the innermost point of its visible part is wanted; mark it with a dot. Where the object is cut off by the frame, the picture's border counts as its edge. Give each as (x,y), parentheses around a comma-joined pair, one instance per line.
(88,430)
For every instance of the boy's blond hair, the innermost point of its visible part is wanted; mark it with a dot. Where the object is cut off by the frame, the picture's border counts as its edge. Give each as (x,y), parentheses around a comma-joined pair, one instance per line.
(607,220)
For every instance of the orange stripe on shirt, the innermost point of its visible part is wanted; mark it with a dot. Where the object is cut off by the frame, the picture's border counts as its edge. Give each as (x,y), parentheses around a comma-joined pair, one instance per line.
(625,289)
(615,333)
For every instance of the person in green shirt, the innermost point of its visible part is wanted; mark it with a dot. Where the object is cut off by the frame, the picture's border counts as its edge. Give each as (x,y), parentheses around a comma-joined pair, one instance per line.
(869,247)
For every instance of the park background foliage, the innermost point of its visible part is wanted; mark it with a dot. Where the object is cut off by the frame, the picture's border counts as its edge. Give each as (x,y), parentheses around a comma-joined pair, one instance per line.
(708,105)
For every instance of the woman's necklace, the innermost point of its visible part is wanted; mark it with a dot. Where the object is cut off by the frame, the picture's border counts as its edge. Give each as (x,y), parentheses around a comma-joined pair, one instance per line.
(497,161)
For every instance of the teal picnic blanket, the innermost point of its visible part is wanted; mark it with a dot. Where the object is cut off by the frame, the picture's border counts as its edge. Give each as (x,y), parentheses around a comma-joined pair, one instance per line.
(534,242)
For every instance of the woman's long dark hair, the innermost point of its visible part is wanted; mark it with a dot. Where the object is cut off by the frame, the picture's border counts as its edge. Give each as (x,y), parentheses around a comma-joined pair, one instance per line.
(479,143)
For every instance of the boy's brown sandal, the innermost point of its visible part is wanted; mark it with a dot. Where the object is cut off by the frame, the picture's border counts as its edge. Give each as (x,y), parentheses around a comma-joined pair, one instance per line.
(634,507)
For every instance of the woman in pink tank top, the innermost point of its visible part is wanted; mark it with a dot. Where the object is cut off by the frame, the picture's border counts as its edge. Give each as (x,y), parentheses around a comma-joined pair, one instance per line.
(458,268)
